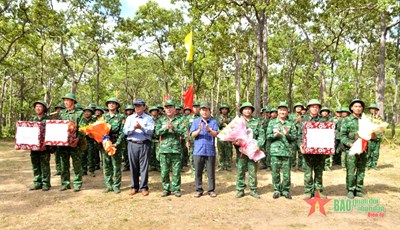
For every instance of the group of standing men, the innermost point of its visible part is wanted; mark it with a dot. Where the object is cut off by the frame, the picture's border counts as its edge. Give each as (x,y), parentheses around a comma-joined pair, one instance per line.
(166,139)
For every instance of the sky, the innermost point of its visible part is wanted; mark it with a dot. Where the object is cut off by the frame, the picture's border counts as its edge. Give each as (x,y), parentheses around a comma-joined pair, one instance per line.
(129,7)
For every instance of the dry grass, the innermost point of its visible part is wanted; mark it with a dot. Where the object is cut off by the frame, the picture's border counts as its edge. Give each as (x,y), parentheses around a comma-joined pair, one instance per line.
(92,209)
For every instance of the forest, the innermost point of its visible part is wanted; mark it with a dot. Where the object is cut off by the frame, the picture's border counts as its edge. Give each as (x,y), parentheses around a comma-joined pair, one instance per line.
(261,51)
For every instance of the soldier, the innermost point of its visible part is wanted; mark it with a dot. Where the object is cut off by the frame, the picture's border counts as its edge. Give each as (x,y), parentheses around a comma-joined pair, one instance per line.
(204,130)
(336,119)
(281,132)
(313,164)
(185,151)
(325,118)
(345,112)
(295,118)
(160,110)
(98,113)
(244,163)
(154,153)
(263,122)
(170,129)
(92,106)
(304,111)
(355,164)
(57,156)
(224,147)
(87,154)
(187,111)
(266,119)
(72,151)
(273,113)
(40,159)
(374,144)
(190,140)
(129,109)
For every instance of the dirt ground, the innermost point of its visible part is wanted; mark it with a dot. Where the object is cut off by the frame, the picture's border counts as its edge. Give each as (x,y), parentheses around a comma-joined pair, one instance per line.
(92,209)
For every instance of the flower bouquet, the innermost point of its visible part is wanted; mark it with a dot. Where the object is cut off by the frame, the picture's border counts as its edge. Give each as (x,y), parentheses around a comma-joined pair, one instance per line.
(236,131)
(99,130)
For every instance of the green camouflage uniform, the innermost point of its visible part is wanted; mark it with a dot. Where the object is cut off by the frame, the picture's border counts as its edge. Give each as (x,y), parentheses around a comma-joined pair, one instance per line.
(185,152)
(41,162)
(87,156)
(224,147)
(281,149)
(154,159)
(374,146)
(266,161)
(313,164)
(295,153)
(170,151)
(112,164)
(244,163)
(355,165)
(68,152)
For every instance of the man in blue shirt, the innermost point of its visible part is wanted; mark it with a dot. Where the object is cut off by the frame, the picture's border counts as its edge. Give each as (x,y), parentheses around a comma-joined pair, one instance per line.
(204,129)
(139,128)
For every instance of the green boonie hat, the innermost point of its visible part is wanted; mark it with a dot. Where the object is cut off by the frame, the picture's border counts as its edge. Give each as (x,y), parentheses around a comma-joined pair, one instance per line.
(62,106)
(153,108)
(93,105)
(355,101)
(113,99)
(78,106)
(129,107)
(196,103)
(224,106)
(88,108)
(70,96)
(266,109)
(314,102)
(159,106)
(187,108)
(283,104)
(205,104)
(170,103)
(246,104)
(298,104)
(42,103)
(274,110)
(373,106)
(345,109)
(325,109)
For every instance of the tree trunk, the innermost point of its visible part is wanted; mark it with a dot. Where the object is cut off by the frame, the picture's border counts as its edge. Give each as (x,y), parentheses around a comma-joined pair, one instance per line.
(238,66)
(265,65)
(3,92)
(98,79)
(380,79)
(259,62)
(218,92)
(396,85)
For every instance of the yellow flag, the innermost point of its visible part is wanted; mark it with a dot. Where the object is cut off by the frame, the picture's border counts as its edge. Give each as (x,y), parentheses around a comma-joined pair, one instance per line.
(189,46)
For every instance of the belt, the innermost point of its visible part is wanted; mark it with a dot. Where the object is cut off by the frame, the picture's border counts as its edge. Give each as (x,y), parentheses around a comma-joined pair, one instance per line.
(139,142)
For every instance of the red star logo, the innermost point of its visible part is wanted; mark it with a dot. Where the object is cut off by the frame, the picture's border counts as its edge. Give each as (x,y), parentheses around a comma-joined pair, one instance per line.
(317,203)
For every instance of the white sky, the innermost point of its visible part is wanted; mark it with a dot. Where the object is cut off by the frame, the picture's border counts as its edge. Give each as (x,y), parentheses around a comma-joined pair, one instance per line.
(129,7)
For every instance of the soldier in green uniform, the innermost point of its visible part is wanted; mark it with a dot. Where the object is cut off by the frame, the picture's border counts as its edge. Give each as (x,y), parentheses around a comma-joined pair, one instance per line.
(190,140)
(375,143)
(72,114)
(281,132)
(40,159)
(57,156)
(112,164)
(273,113)
(160,110)
(345,112)
(98,113)
(224,147)
(244,163)
(336,119)
(313,164)
(154,154)
(170,129)
(129,109)
(264,120)
(185,151)
(295,118)
(187,111)
(87,155)
(325,111)
(355,164)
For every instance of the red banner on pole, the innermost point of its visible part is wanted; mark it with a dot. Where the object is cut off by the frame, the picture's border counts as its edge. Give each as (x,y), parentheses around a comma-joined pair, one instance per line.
(188,97)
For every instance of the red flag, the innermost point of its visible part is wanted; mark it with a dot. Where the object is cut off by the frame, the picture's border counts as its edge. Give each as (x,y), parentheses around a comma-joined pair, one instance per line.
(188,97)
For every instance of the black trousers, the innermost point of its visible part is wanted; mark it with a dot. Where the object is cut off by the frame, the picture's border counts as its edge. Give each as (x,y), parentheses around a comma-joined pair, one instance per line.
(199,162)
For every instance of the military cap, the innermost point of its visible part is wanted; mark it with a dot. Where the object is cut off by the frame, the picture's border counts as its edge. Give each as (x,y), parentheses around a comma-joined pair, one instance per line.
(345,109)
(298,104)
(129,107)
(196,103)
(113,99)
(314,102)
(205,104)
(99,108)
(373,106)
(178,106)
(70,96)
(246,104)
(169,103)
(88,108)
(62,106)
(159,106)
(224,106)
(325,109)
(283,104)
(355,101)
(153,108)
(187,108)
(338,110)
(78,106)
(93,105)
(42,103)
(266,109)
(274,109)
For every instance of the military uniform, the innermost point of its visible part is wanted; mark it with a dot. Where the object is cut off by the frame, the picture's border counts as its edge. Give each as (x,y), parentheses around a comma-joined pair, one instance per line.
(266,161)
(342,149)
(374,144)
(326,119)
(112,164)
(170,150)
(313,164)
(281,149)
(68,152)
(87,155)
(355,164)
(154,161)
(224,147)
(244,163)
(57,156)
(41,159)
(296,154)
(336,157)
